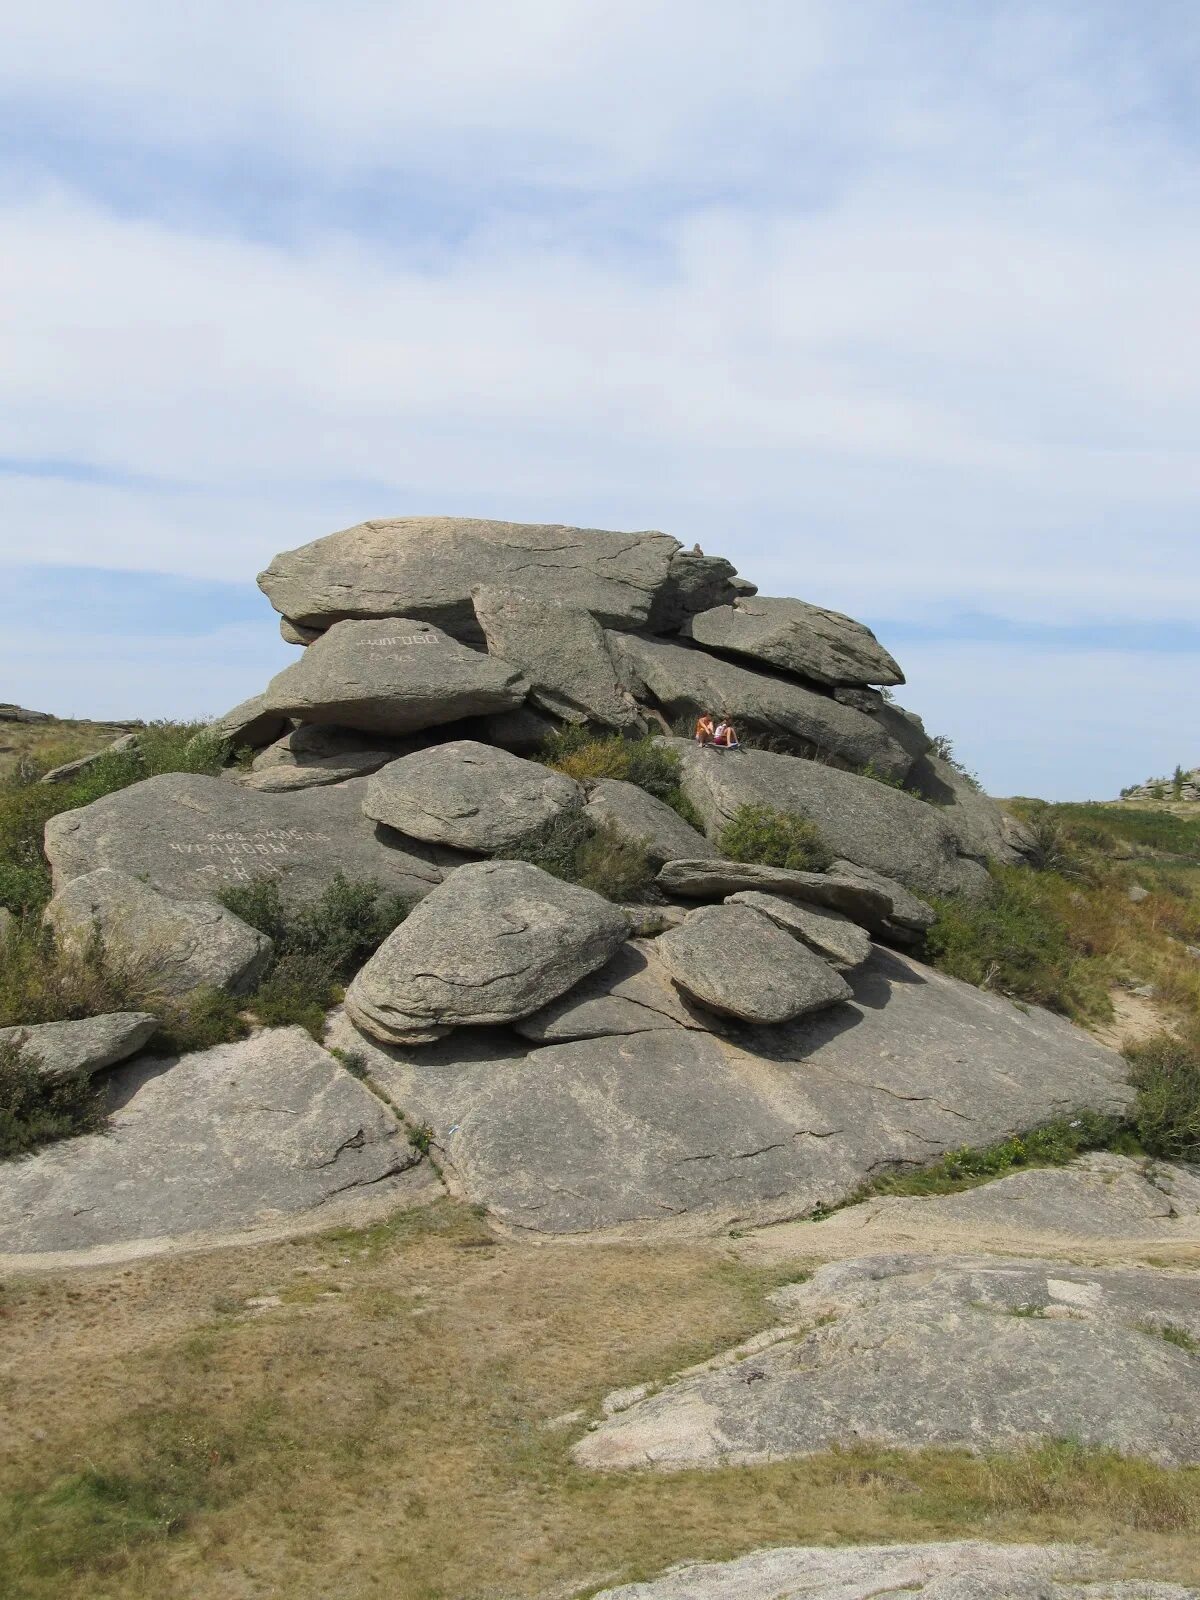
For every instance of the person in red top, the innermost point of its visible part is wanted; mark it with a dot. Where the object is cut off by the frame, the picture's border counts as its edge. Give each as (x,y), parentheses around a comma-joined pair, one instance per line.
(704,729)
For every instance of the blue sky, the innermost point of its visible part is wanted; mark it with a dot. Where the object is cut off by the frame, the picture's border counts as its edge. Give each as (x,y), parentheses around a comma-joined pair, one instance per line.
(892,303)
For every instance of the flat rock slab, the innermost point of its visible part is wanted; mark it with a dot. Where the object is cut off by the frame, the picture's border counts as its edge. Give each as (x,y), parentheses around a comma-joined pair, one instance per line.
(908,1351)
(682,681)
(645,820)
(632,993)
(249,724)
(963,1570)
(174,945)
(469,795)
(828,933)
(868,823)
(64,1048)
(758,1125)
(739,963)
(496,941)
(392,677)
(712,878)
(228,1138)
(792,636)
(188,836)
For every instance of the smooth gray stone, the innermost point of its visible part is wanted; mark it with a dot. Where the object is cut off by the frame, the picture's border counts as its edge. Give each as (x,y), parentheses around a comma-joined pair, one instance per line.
(682,680)
(968,1352)
(909,915)
(469,795)
(644,820)
(294,633)
(173,946)
(758,1125)
(695,582)
(963,1570)
(739,963)
(392,677)
(795,637)
(72,769)
(868,823)
(834,937)
(315,753)
(426,567)
(64,1048)
(716,879)
(227,1138)
(561,651)
(985,831)
(496,941)
(250,724)
(630,994)
(188,836)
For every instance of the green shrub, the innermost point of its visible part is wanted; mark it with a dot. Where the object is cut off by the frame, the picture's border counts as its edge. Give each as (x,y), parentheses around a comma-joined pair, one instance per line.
(41,983)
(554,845)
(35,1110)
(300,988)
(774,839)
(570,847)
(589,756)
(200,1020)
(1166,1074)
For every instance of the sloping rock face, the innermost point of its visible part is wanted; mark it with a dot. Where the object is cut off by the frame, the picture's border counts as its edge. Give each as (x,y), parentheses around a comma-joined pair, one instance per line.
(832,936)
(64,1048)
(681,682)
(963,1570)
(965,1352)
(177,945)
(227,1138)
(822,646)
(649,822)
(497,940)
(392,677)
(739,963)
(469,795)
(189,836)
(867,823)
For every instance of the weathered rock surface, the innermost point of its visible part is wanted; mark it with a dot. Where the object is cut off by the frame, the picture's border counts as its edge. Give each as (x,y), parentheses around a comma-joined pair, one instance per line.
(188,836)
(968,1352)
(250,724)
(14,713)
(392,677)
(761,1124)
(963,1570)
(716,879)
(867,823)
(315,753)
(823,646)
(496,941)
(695,582)
(426,567)
(909,917)
(561,651)
(64,1048)
(227,1138)
(174,945)
(739,963)
(683,681)
(831,935)
(295,633)
(638,816)
(630,994)
(469,795)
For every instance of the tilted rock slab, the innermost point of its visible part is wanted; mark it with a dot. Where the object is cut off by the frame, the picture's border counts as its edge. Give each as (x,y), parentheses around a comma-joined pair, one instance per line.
(188,836)
(173,946)
(715,879)
(909,918)
(316,753)
(682,681)
(868,823)
(831,935)
(756,1125)
(561,650)
(469,795)
(795,637)
(497,940)
(632,993)
(228,1138)
(392,677)
(89,1045)
(969,1352)
(740,963)
(250,723)
(963,1570)
(646,821)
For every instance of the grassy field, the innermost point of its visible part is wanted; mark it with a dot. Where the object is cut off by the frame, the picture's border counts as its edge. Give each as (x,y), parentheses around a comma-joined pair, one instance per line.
(48,744)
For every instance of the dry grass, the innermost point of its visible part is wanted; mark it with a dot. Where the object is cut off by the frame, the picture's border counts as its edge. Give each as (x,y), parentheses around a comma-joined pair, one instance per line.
(50,744)
(381,1431)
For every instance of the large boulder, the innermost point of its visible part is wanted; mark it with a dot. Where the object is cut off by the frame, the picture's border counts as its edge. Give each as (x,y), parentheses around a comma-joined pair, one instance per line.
(976,1353)
(426,567)
(561,650)
(868,823)
(469,795)
(240,1135)
(392,677)
(646,821)
(869,905)
(792,636)
(496,941)
(188,836)
(739,963)
(834,937)
(61,1049)
(681,681)
(315,753)
(173,946)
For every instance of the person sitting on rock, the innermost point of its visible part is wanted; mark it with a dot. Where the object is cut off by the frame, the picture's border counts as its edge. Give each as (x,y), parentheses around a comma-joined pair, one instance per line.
(704,729)
(725,737)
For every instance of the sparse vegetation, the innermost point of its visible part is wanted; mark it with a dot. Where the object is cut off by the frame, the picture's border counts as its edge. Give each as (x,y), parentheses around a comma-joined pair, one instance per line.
(774,839)
(35,1109)
(1166,1073)
(571,847)
(587,756)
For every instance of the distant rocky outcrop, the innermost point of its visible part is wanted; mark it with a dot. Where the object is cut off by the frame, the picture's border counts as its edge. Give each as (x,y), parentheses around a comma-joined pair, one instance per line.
(1180,785)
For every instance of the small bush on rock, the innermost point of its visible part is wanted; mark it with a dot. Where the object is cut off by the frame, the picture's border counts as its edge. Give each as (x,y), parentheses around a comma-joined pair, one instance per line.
(773,838)
(588,757)
(41,983)
(36,1110)
(572,848)
(1166,1074)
